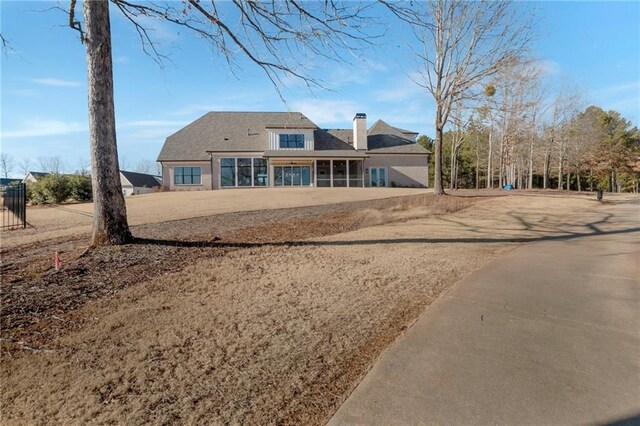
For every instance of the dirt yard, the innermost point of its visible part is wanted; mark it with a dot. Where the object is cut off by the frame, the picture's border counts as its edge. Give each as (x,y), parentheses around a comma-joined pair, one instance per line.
(268,323)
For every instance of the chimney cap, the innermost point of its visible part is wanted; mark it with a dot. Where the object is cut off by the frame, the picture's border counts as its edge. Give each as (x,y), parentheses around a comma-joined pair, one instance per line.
(360,115)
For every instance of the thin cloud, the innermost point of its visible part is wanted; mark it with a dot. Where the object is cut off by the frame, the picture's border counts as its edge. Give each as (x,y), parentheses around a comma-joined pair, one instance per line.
(402,91)
(155,123)
(547,66)
(617,88)
(39,128)
(323,112)
(56,82)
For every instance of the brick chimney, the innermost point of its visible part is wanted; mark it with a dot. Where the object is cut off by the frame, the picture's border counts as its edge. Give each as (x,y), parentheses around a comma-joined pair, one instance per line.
(360,131)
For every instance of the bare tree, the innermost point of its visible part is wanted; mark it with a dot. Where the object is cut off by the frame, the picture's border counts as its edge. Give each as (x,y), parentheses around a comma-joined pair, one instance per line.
(460,119)
(50,164)
(278,37)
(83,165)
(146,166)
(519,95)
(25,166)
(564,107)
(461,44)
(6,164)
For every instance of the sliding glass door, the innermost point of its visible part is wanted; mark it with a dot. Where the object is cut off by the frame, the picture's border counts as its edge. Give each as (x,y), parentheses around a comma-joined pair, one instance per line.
(292,175)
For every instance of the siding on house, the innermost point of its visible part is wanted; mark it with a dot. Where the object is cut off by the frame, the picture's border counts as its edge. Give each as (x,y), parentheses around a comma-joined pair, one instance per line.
(403,170)
(205,170)
(274,139)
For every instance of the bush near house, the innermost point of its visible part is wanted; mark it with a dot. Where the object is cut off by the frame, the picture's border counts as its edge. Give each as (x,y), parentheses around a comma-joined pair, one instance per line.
(57,188)
(81,189)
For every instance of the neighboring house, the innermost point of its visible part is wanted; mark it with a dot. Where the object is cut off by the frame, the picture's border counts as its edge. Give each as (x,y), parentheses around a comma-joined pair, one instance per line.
(276,149)
(33,177)
(132,183)
(4,182)
(138,183)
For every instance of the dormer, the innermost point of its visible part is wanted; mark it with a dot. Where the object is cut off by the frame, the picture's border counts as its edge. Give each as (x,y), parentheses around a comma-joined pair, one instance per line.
(294,138)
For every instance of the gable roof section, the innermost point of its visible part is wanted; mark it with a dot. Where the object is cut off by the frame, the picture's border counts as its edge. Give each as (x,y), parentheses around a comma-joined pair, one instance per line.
(228,132)
(140,179)
(38,175)
(385,139)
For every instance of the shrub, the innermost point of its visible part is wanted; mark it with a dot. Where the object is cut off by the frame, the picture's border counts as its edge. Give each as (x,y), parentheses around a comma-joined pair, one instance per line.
(36,194)
(52,189)
(56,188)
(80,187)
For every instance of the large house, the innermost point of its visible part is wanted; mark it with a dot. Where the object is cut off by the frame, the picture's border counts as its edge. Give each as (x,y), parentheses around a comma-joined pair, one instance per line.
(285,149)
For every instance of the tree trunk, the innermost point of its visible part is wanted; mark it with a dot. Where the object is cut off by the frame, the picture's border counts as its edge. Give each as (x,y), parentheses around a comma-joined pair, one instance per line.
(578,179)
(109,210)
(560,174)
(591,180)
(501,164)
(489,162)
(568,181)
(452,166)
(530,181)
(438,189)
(547,166)
(611,181)
(477,163)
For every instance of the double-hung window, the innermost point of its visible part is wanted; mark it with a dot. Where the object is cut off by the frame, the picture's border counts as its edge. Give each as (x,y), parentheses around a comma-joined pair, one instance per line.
(291,141)
(187,176)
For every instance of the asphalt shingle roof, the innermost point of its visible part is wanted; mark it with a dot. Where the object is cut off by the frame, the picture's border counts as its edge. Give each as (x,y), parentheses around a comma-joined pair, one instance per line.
(386,139)
(333,153)
(228,131)
(140,179)
(247,132)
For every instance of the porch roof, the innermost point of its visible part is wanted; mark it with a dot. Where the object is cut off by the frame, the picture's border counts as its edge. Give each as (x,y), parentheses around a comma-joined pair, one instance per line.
(328,153)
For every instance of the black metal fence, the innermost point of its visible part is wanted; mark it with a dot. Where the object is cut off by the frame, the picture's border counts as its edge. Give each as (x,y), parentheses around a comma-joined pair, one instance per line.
(14,206)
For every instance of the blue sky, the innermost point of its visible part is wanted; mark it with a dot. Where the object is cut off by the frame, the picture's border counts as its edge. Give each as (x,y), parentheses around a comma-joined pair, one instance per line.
(43,80)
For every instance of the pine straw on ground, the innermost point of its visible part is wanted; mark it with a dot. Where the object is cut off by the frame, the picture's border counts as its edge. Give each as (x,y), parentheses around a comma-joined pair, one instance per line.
(273,333)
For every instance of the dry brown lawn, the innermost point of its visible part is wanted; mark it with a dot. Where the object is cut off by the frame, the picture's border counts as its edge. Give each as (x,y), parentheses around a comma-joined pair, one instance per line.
(272,332)
(47,222)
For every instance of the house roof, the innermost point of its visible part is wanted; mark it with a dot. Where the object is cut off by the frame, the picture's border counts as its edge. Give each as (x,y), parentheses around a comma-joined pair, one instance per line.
(333,153)
(7,181)
(410,133)
(247,132)
(140,179)
(228,131)
(38,175)
(385,139)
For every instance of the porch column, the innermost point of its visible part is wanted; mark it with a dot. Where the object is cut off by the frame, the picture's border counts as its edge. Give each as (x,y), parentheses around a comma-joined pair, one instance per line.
(331,172)
(347,173)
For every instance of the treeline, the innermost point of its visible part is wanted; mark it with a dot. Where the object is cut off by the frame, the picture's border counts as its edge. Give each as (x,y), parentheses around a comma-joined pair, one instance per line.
(516,134)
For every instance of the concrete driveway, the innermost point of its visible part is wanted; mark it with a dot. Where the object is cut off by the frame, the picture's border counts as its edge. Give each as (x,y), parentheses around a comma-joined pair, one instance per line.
(547,334)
